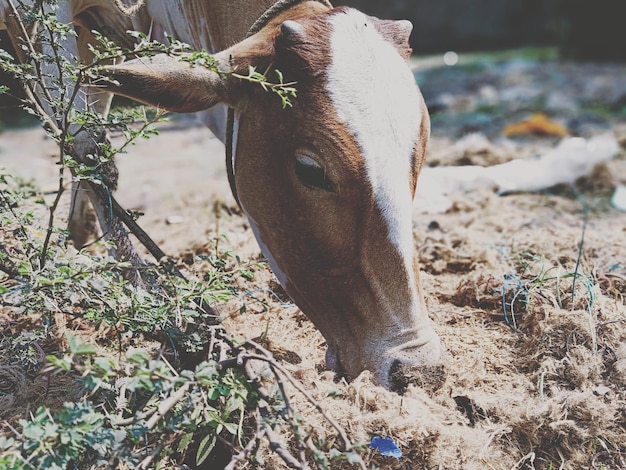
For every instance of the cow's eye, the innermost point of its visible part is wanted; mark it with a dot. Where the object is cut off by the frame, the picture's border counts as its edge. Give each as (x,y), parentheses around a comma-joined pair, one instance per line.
(312,174)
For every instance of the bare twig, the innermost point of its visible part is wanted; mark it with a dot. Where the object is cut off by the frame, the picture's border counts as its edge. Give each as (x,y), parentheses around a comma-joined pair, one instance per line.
(249,448)
(145,463)
(275,445)
(167,405)
(31,52)
(267,357)
(280,450)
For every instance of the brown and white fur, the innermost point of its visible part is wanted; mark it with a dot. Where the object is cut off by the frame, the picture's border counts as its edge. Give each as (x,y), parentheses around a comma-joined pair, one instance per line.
(327,184)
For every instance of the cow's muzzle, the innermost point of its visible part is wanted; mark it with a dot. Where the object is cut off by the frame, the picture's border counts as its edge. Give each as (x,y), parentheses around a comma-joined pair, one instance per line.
(397,368)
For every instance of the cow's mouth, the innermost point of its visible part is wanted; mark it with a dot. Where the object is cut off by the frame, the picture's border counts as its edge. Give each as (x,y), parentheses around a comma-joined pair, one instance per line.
(332,361)
(399,373)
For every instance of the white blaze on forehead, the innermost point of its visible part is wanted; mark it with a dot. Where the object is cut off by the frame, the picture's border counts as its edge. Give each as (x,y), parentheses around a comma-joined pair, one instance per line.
(375,95)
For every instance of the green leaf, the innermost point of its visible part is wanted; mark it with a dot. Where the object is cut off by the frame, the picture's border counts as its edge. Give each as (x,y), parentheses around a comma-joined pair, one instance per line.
(353,457)
(233,404)
(71,341)
(25,268)
(6,442)
(334,454)
(85,349)
(205,448)
(105,364)
(33,432)
(64,364)
(79,349)
(184,442)
(232,428)
(137,356)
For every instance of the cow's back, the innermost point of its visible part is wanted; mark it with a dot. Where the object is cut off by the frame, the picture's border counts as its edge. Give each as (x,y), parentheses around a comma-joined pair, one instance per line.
(213,25)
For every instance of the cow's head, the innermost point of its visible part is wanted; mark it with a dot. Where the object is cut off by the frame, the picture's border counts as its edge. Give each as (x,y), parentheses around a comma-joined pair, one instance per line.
(328,183)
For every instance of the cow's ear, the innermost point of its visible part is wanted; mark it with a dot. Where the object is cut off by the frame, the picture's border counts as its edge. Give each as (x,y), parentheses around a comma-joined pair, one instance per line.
(173,83)
(397,32)
(167,82)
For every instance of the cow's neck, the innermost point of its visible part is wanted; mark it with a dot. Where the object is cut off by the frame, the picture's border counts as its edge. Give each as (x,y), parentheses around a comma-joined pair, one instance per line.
(213,25)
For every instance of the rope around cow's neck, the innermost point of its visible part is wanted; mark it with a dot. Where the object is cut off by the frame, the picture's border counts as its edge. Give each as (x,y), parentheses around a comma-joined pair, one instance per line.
(276,10)
(271,13)
(130,10)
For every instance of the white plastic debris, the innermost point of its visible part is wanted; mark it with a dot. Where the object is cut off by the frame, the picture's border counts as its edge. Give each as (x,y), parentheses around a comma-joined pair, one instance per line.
(174,219)
(573,158)
(619,198)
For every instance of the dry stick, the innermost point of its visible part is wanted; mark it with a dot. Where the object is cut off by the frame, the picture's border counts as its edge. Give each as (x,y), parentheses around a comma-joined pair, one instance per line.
(133,419)
(145,463)
(267,357)
(292,421)
(263,412)
(309,398)
(146,241)
(167,405)
(251,447)
(283,453)
(141,235)
(263,429)
(113,463)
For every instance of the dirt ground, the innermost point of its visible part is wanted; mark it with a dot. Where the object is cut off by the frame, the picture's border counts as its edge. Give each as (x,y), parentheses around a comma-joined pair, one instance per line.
(526,290)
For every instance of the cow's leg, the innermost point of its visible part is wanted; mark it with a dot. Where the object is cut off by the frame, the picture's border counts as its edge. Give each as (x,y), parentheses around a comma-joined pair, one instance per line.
(90,213)
(89,217)
(90,204)
(82,223)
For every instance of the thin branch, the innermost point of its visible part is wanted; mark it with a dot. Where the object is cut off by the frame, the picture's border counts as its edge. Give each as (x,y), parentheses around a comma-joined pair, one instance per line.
(57,60)
(276,446)
(31,52)
(167,405)
(249,448)
(145,463)
(267,357)
(292,420)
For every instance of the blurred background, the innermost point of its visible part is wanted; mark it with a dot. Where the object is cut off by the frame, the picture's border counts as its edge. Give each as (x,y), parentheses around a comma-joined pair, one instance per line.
(570,30)
(582,29)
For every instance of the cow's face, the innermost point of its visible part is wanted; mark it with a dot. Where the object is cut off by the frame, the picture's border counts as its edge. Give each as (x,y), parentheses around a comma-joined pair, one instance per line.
(328,183)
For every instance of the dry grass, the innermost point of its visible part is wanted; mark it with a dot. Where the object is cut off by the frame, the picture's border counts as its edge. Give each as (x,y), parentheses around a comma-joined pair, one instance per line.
(550,394)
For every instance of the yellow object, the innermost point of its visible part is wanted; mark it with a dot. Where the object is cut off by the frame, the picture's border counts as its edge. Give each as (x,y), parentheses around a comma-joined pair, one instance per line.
(538,123)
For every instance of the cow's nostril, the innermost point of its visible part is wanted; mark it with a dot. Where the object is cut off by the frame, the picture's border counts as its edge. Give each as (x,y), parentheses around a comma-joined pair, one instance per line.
(401,375)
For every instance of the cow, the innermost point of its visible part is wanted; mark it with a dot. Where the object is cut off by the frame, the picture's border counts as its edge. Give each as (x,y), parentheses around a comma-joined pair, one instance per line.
(326,184)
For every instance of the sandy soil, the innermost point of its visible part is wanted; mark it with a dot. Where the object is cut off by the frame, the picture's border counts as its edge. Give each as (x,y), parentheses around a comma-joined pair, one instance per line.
(536,364)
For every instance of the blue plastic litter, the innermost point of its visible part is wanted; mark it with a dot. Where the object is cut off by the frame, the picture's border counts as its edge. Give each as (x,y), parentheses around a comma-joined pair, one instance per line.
(386,447)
